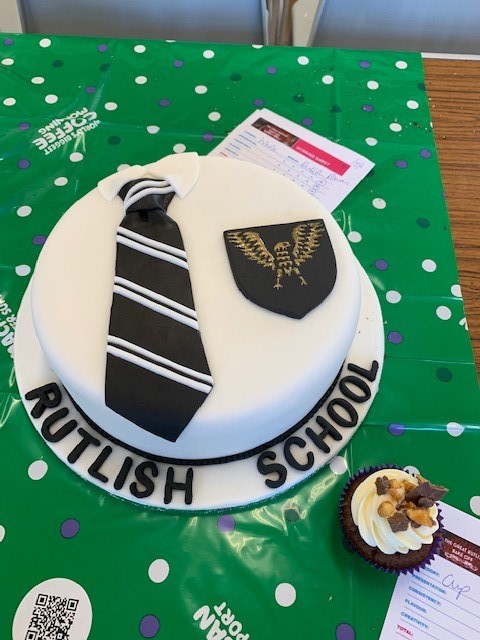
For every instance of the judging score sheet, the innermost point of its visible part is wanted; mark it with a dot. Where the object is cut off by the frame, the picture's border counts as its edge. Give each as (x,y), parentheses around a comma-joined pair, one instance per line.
(442,601)
(326,170)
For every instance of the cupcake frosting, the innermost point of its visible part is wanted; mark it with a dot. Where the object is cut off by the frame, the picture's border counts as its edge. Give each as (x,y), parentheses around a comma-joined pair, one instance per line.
(375,530)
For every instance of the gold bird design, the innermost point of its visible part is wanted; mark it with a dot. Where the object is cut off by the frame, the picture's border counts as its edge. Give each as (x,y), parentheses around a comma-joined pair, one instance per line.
(285,260)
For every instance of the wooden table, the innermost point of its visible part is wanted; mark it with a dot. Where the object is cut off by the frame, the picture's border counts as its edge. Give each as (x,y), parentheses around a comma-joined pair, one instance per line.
(453,88)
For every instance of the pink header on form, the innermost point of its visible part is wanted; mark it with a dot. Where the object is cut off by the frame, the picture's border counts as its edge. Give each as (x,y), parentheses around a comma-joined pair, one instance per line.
(321,157)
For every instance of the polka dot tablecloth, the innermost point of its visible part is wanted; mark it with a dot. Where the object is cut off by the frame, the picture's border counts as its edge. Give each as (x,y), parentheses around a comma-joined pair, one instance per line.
(75,110)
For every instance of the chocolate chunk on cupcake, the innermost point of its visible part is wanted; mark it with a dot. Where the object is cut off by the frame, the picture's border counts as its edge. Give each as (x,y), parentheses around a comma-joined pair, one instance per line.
(391,518)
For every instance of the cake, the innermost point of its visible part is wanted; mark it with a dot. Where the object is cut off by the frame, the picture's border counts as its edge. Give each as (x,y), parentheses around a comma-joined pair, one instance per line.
(391,518)
(290,346)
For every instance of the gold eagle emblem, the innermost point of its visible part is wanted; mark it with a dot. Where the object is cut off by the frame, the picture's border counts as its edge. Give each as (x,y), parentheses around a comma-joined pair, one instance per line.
(285,259)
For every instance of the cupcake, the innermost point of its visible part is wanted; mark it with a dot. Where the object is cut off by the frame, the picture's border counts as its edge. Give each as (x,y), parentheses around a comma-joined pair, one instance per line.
(391,518)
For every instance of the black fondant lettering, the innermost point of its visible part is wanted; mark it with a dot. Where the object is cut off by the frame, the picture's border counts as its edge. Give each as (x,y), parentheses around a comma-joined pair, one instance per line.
(365,373)
(290,458)
(318,439)
(357,382)
(49,397)
(275,467)
(123,473)
(86,441)
(94,468)
(143,479)
(336,417)
(62,431)
(186,486)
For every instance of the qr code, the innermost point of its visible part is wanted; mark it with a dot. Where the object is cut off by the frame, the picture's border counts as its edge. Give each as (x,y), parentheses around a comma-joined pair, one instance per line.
(52,618)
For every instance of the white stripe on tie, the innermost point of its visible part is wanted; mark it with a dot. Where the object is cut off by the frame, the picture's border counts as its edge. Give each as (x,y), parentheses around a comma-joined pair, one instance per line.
(162,255)
(161,246)
(192,373)
(161,371)
(159,308)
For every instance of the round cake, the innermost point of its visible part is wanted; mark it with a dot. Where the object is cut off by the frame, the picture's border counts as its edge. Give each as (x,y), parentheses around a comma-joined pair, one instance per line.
(206,326)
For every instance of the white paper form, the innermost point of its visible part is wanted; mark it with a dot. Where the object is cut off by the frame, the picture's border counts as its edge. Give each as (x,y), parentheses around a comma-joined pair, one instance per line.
(442,601)
(328,171)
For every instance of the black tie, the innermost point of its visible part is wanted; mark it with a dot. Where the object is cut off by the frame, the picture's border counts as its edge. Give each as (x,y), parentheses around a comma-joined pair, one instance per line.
(157,374)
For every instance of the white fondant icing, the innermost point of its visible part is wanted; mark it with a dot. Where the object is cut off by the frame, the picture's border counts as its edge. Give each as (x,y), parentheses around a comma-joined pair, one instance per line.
(269,370)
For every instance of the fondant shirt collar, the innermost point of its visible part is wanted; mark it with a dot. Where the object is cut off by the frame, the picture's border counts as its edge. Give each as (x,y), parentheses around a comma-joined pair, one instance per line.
(180,170)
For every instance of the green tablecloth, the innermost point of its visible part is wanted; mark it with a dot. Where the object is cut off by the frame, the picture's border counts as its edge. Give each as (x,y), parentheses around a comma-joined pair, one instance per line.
(147,572)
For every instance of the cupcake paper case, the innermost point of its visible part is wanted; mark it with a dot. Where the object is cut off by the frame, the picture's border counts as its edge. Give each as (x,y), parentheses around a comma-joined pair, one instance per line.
(395,562)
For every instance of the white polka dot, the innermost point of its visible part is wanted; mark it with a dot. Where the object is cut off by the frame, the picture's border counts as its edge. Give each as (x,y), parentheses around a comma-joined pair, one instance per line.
(396,126)
(257,46)
(76,156)
(121,167)
(2,532)
(201,88)
(152,128)
(413,471)
(393,297)
(37,469)
(303,60)
(22,270)
(60,182)
(179,148)
(45,42)
(456,291)
(338,465)
(8,61)
(139,48)
(24,211)
(372,84)
(51,98)
(111,106)
(9,102)
(214,116)
(141,79)
(158,570)
(354,236)
(429,265)
(327,79)
(412,104)
(443,312)
(170,41)
(454,429)
(208,54)
(401,64)
(475,505)
(371,141)
(285,594)
(379,203)
(37,80)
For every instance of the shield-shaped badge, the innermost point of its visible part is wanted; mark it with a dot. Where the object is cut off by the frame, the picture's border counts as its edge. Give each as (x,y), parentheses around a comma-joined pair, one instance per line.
(286,268)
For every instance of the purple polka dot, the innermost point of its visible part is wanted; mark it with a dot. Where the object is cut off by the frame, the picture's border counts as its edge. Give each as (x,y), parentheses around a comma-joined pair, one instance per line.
(23,126)
(90,89)
(396,429)
(381,265)
(70,528)
(178,63)
(149,626)
(367,107)
(102,47)
(23,164)
(345,631)
(395,337)
(272,70)
(307,122)
(226,523)
(401,164)
(38,240)
(164,102)
(8,42)
(208,137)
(258,102)
(365,64)
(425,153)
